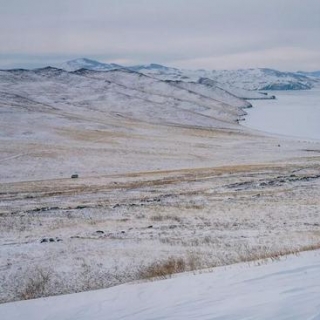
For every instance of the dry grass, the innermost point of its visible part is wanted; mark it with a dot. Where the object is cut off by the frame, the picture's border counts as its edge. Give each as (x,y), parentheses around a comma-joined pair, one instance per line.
(164,269)
(35,286)
(265,254)
(159,217)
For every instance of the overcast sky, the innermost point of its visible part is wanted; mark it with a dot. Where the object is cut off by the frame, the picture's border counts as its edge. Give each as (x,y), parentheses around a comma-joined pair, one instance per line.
(208,34)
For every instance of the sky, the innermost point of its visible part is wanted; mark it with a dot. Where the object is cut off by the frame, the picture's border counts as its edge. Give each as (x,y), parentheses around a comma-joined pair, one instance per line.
(191,34)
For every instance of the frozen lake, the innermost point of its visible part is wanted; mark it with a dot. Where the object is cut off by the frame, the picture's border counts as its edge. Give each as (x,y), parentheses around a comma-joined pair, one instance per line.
(293,113)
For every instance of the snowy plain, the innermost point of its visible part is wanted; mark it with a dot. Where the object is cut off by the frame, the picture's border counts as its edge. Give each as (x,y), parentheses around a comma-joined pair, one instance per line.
(285,289)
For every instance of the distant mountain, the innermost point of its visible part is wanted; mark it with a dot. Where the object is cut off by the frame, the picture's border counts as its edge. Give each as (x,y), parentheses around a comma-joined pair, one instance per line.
(162,72)
(89,64)
(248,79)
(151,67)
(264,79)
(230,80)
(310,74)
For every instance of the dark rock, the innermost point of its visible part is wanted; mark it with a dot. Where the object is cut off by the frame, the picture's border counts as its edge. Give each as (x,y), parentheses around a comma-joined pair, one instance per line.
(46,240)
(81,207)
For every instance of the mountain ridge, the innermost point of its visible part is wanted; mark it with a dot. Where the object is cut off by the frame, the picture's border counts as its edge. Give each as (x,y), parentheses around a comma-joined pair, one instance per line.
(251,79)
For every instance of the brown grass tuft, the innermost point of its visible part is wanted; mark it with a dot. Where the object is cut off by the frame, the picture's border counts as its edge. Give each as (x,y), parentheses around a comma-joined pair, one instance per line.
(163,269)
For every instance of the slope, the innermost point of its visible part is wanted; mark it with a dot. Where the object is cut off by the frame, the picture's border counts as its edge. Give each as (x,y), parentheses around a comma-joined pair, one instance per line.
(288,289)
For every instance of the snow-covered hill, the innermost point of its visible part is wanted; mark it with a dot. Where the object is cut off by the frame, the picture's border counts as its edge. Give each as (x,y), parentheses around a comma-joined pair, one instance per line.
(289,289)
(121,92)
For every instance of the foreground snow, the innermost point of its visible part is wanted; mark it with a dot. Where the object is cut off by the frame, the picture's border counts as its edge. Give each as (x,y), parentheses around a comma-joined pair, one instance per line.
(289,289)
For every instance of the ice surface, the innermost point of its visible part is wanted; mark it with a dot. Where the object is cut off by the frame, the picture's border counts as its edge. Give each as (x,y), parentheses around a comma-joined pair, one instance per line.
(292,114)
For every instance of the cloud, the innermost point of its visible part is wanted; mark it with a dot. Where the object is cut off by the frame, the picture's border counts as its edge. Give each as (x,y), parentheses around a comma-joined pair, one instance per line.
(200,33)
(280,58)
